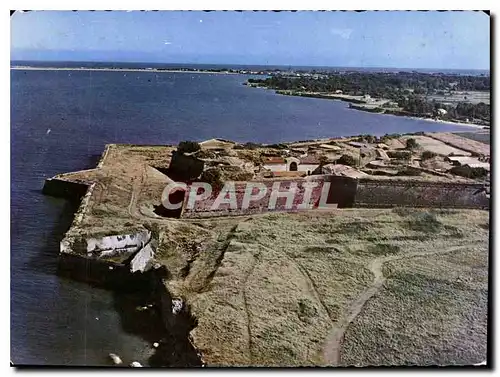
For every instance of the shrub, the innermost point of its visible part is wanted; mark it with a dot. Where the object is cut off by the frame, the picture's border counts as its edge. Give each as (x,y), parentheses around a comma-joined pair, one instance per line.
(188,147)
(278,146)
(399,154)
(411,143)
(251,145)
(203,153)
(468,172)
(426,222)
(347,159)
(408,171)
(214,177)
(426,155)
(323,160)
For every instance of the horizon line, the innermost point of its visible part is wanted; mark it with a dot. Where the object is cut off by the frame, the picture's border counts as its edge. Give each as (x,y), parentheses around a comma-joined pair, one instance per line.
(247,64)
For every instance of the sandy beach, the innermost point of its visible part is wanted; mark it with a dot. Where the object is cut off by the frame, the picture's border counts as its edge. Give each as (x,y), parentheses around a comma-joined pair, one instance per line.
(471,125)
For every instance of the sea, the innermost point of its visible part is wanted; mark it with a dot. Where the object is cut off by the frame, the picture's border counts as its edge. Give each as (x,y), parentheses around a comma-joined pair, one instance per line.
(60,122)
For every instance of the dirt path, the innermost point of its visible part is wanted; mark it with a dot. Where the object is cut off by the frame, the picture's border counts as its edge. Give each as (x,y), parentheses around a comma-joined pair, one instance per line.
(333,343)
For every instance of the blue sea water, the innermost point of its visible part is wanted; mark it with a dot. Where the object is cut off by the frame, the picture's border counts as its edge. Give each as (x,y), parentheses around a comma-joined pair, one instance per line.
(60,122)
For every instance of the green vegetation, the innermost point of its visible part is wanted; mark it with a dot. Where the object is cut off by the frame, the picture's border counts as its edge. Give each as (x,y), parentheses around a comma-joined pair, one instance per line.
(213,176)
(411,144)
(248,145)
(427,155)
(399,154)
(347,159)
(278,146)
(468,172)
(409,90)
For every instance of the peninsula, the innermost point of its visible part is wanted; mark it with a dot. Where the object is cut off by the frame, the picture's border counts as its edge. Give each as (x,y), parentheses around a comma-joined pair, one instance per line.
(445,97)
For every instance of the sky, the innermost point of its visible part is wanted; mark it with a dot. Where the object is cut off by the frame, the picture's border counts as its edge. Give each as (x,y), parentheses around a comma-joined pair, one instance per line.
(445,40)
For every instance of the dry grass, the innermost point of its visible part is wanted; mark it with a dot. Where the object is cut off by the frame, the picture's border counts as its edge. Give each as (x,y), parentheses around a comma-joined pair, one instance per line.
(431,311)
(267,290)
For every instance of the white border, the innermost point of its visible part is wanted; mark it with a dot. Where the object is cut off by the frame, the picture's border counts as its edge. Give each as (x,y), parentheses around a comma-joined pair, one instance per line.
(184,5)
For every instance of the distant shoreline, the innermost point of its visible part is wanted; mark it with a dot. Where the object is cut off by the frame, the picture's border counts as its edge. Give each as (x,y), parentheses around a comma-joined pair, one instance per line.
(351,100)
(155,70)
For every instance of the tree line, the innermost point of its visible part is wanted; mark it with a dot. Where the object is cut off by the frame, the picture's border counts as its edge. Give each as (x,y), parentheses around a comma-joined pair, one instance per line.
(407,89)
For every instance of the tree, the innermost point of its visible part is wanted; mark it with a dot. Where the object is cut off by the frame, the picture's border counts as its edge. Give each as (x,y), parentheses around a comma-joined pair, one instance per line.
(411,144)
(323,160)
(426,155)
(347,159)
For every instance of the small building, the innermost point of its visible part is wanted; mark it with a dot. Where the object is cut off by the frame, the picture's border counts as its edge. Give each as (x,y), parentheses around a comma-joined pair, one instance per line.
(338,91)
(462,160)
(308,164)
(279,164)
(441,112)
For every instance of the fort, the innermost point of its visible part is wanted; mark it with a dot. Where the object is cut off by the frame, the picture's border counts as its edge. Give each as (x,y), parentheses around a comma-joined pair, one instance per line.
(194,217)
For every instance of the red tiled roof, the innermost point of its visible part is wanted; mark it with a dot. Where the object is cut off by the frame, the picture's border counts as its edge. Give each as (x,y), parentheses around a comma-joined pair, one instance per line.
(274,160)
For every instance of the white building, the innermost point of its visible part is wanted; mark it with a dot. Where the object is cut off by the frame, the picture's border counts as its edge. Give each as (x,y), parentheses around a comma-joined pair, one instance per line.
(305,164)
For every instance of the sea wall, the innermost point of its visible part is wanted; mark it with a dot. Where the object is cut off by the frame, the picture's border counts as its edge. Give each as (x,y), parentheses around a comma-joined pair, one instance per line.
(104,155)
(102,273)
(61,188)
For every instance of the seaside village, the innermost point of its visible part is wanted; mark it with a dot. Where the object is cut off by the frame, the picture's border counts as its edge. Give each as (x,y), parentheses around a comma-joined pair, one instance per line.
(440,157)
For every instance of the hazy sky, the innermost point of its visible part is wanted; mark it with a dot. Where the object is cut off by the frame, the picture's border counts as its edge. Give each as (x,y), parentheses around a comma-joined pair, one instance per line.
(374,39)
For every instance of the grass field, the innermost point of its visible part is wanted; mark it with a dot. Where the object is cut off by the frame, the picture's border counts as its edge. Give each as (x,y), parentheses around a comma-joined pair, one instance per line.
(354,287)
(470,97)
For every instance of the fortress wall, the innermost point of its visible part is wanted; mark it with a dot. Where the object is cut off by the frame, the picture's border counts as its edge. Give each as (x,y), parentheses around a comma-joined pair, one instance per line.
(340,192)
(104,155)
(61,188)
(345,192)
(392,193)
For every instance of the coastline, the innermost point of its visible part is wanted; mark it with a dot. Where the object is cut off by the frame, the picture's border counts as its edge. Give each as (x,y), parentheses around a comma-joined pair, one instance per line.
(155,70)
(472,125)
(346,98)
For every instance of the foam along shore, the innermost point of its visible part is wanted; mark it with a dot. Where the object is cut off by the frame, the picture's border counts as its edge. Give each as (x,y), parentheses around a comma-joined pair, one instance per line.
(471,125)
(28,68)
